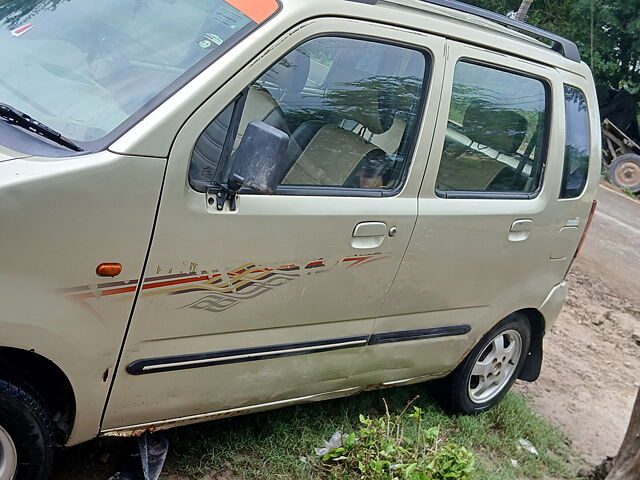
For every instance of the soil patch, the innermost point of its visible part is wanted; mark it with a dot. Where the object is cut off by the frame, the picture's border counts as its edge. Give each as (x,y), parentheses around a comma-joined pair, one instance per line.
(591,368)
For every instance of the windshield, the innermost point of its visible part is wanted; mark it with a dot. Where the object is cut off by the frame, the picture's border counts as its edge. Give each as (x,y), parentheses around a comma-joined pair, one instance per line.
(83,67)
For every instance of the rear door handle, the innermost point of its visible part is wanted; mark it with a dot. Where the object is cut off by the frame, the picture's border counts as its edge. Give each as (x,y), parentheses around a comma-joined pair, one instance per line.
(520,230)
(368,235)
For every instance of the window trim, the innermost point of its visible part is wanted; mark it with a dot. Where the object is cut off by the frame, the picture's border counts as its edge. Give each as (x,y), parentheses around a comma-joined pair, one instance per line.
(564,159)
(547,85)
(234,123)
(331,191)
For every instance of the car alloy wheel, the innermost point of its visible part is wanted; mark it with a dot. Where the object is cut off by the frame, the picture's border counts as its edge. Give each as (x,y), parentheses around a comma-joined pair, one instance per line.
(8,456)
(495,366)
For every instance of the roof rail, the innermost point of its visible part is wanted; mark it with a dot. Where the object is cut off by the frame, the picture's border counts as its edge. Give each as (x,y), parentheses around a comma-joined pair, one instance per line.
(565,47)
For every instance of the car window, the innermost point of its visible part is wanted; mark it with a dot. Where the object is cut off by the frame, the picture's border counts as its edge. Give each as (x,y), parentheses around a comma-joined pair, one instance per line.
(576,155)
(496,132)
(349,106)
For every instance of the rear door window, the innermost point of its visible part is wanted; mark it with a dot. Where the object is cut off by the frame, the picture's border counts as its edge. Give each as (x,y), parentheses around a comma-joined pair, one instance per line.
(496,133)
(578,141)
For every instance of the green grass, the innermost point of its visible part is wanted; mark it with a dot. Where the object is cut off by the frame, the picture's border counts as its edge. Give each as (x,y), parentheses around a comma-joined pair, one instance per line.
(270,445)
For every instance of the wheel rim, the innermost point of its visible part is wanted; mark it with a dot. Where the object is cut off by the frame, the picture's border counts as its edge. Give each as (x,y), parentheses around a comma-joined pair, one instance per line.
(8,456)
(495,366)
(627,174)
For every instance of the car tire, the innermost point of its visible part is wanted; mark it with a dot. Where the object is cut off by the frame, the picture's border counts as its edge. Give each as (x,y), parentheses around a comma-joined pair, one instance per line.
(624,172)
(26,433)
(489,370)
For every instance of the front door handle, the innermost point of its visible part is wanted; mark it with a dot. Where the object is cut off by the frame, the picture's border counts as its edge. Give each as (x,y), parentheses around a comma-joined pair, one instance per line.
(520,230)
(368,235)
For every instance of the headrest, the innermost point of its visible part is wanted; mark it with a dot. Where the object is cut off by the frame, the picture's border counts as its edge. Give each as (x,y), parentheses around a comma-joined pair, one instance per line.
(375,110)
(502,130)
(290,74)
(378,113)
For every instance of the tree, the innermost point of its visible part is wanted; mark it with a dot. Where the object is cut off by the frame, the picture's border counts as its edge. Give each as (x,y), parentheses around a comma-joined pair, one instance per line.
(626,465)
(521,15)
(606,31)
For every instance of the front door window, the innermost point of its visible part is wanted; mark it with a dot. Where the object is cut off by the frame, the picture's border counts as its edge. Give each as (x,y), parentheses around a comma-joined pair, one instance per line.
(350,107)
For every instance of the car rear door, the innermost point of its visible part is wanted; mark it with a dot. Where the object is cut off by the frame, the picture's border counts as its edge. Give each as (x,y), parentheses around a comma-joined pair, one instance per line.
(486,221)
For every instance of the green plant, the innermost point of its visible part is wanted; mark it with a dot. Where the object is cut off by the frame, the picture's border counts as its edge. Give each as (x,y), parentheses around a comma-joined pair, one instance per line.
(275,445)
(398,447)
(629,193)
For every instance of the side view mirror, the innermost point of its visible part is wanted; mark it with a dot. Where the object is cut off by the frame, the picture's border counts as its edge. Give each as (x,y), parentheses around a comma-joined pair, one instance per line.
(260,162)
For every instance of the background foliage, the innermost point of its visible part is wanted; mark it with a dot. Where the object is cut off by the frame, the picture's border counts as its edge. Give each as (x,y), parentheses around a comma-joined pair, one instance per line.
(615,56)
(15,12)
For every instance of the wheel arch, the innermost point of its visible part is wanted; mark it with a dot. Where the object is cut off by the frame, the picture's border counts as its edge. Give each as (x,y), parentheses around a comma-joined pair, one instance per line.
(48,380)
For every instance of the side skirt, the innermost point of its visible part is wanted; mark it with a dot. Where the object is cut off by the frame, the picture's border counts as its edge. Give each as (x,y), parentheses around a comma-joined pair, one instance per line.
(139,429)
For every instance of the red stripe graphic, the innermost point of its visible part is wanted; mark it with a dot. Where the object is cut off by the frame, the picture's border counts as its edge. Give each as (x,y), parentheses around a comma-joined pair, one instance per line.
(116,291)
(175,282)
(23,29)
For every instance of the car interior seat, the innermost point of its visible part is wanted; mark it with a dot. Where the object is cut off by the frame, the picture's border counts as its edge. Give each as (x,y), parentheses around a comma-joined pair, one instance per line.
(334,156)
(485,154)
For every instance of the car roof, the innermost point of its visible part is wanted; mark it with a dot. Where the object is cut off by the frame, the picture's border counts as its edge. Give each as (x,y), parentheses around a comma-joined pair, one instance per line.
(462,22)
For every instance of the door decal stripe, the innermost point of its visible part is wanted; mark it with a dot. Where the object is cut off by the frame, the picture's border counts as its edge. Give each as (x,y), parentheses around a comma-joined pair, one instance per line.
(219,291)
(225,357)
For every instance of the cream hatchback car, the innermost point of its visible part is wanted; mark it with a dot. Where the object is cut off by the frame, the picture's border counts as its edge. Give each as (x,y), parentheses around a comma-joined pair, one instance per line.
(215,207)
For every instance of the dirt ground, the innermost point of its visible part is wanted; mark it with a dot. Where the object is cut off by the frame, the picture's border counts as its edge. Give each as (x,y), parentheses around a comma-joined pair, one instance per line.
(591,371)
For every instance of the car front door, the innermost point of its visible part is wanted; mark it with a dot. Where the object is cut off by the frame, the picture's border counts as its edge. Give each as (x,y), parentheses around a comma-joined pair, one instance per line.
(274,300)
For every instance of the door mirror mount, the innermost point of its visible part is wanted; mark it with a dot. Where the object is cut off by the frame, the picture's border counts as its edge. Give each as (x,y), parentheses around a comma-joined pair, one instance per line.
(260,163)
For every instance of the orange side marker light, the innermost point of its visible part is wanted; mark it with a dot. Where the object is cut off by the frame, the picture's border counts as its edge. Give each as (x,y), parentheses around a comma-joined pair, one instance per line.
(109,269)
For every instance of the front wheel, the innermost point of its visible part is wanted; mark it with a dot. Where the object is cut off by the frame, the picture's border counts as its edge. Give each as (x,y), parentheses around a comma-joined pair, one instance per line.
(488,372)
(26,434)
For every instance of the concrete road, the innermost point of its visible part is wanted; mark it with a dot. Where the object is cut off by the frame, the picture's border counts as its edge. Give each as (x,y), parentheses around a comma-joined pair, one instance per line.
(612,249)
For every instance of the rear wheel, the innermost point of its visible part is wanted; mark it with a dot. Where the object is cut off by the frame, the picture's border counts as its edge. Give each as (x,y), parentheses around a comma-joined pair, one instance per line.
(488,372)
(26,434)
(624,172)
